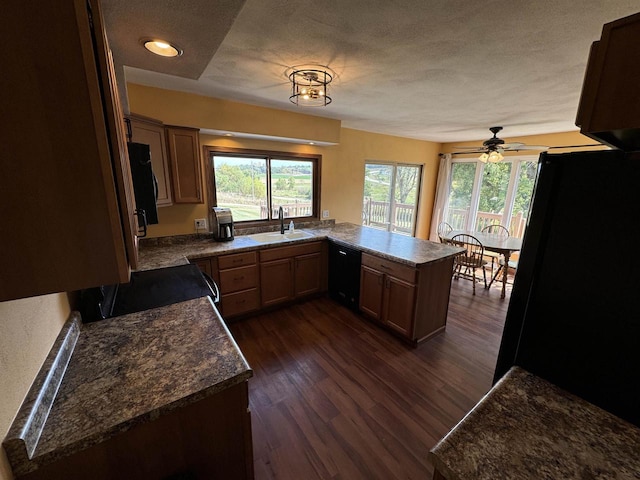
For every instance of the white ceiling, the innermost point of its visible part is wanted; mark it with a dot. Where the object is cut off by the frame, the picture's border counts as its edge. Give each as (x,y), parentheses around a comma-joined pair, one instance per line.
(439,70)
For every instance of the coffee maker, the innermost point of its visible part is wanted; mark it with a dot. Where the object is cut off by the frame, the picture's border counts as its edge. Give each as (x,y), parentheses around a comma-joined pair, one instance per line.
(222,224)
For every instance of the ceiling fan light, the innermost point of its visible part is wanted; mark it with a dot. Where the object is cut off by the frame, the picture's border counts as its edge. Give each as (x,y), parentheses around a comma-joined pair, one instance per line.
(484,157)
(495,157)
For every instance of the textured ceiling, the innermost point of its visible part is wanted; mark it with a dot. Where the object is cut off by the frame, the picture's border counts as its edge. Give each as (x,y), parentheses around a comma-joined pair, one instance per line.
(440,70)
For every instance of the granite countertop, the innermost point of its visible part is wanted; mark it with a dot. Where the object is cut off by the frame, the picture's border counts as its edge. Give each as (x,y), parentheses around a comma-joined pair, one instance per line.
(400,248)
(128,370)
(526,427)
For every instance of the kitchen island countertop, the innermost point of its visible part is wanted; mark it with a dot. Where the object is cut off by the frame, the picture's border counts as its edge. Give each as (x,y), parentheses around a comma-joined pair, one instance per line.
(400,248)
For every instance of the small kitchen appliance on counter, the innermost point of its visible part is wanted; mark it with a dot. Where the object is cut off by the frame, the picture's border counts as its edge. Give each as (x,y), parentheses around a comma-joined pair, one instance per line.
(222,224)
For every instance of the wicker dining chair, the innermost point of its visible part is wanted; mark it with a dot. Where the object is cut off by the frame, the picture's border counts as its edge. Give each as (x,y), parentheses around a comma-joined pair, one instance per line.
(467,262)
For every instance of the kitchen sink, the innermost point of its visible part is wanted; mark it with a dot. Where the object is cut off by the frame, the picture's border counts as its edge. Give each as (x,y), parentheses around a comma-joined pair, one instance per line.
(269,237)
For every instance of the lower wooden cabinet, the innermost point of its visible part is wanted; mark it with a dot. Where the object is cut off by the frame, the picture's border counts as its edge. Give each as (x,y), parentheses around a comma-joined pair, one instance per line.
(239,284)
(411,301)
(290,272)
(387,299)
(210,438)
(251,280)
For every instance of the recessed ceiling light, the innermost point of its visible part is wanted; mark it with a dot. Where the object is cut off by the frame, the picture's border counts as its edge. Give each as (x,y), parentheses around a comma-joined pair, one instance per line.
(312,143)
(161,47)
(228,134)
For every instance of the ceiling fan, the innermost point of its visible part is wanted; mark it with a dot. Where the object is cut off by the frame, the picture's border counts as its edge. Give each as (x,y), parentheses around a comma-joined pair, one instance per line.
(492,149)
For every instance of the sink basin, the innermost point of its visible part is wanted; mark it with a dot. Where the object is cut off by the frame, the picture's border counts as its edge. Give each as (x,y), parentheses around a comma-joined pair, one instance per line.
(269,237)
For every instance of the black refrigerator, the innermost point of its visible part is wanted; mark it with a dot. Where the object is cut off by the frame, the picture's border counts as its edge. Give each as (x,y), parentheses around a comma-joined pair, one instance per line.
(574,312)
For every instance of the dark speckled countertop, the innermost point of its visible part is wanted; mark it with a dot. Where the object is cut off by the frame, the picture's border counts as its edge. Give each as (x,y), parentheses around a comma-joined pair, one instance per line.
(125,371)
(527,428)
(400,248)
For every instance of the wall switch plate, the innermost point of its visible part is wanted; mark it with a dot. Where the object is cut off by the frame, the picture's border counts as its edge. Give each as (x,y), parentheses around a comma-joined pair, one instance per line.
(325,214)
(201,223)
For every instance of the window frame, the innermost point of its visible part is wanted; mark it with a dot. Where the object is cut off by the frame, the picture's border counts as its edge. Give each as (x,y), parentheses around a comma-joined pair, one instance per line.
(210,151)
(395,166)
(514,175)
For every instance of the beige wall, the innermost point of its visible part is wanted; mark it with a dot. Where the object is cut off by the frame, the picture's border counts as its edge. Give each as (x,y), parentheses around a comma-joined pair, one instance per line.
(28,328)
(342,165)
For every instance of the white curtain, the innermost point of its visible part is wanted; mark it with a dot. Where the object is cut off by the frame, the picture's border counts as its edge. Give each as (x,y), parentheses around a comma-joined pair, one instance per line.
(442,196)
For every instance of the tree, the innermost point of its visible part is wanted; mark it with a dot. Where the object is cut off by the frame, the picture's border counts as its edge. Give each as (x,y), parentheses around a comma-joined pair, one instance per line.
(292,183)
(281,184)
(406,178)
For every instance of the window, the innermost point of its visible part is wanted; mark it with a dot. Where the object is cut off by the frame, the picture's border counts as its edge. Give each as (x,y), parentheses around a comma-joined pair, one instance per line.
(255,184)
(391,196)
(484,194)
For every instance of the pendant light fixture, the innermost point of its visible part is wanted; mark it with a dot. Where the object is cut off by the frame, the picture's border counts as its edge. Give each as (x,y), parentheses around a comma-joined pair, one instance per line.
(309,85)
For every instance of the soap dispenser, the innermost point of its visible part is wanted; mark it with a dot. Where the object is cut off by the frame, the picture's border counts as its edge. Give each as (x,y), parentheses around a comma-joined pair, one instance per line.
(291,226)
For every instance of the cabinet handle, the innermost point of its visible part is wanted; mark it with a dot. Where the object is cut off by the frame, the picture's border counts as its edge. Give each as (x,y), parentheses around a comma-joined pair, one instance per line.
(238,279)
(388,283)
(385,267)
(240,302)
(237,260)
(341,252)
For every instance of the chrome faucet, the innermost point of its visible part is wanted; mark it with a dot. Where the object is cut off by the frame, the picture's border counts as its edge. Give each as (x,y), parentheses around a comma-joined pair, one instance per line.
(281,214)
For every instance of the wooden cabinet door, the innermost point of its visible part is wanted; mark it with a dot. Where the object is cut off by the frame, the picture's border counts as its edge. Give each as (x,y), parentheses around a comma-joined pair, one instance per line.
(65,182)
(152,133)
(308,270)
(371,292)
(184,157)
(399,305)
(276,281)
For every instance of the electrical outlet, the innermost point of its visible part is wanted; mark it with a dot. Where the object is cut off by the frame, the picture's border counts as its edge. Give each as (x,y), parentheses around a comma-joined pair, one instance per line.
(201,224)
(325,214)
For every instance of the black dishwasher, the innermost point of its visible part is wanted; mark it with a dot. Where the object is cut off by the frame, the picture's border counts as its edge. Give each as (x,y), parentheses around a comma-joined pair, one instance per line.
(344,274)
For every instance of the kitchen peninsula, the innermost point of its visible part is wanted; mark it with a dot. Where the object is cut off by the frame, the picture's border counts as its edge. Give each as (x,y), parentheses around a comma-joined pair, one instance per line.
(405,281)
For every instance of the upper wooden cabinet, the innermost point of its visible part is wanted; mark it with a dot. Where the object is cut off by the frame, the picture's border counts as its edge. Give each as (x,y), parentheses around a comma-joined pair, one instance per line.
(152,132)
(609,109)
(184,156)
(66,210)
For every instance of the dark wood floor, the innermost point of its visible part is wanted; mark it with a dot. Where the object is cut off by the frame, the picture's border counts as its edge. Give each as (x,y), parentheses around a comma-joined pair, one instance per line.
(335,397)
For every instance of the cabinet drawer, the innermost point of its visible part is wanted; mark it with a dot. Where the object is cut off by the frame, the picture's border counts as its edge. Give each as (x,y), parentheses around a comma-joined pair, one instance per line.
(236,279)
(403,272)
(289,251)
(240,302)
(236,260)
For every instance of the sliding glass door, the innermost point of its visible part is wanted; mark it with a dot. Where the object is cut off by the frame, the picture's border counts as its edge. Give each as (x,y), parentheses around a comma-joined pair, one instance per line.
(391,192)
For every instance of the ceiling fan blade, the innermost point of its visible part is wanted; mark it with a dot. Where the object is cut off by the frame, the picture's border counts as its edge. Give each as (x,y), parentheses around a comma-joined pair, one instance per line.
(539,148)
(512,145)
(467,148)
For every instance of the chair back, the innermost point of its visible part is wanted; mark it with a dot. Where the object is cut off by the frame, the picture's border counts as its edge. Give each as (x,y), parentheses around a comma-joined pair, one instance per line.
(496,229)
(474,250)
(443,229)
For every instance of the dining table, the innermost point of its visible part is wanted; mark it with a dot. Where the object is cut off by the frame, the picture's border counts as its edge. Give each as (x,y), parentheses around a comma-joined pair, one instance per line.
(501,244)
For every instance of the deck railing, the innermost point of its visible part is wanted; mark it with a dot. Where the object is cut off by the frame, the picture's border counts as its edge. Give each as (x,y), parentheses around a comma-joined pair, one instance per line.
(296,209)
(457,218)
(380,214)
